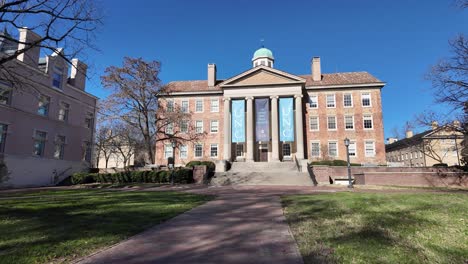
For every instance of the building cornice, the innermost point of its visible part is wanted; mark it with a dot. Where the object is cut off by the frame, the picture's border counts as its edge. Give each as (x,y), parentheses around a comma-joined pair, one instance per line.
(361,85)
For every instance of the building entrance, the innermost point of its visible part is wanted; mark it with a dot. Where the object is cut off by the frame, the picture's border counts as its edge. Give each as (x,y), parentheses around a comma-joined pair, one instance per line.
(262,152)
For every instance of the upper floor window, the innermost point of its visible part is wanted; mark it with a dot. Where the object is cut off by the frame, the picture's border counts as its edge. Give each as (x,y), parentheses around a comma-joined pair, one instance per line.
(313,101)
(367,121)
(168,151)
(348,100)
(170,106)
(59,147)
(184,126)
(199,105)
(214,126)
(199,126)
(63,112)
(43,107)
(349,122)
(183,151)
(57,77)
(87,151)
(185,106)
(39,143)
(314,123)
(170,128)
(333,149)
(331,100)
(5,93)
(331,120)
(198,150)
(366,99)
(214,150)
(214,105)
(3,134)
(89,120)
(370,148)
(352,149)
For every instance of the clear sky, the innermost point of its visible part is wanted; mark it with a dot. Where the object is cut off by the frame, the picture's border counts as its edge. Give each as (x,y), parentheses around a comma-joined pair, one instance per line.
(395,40)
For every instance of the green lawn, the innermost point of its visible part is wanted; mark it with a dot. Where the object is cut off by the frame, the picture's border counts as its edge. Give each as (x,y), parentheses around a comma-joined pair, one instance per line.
(57,226)
(380,228)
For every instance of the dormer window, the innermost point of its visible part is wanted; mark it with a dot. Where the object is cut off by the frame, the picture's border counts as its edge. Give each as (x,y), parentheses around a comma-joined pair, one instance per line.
(57,78)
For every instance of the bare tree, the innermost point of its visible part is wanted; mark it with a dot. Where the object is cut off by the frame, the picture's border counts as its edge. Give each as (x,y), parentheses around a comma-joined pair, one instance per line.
(136,94)
(104,144)
(125,142)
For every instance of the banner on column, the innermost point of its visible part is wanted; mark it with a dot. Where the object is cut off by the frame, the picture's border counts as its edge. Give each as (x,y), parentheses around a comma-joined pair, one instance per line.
(262,120)
(286,121)
(238,121)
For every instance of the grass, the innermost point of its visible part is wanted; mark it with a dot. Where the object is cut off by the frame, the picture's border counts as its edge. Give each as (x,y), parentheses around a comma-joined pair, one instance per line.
(380,228)
(58,226)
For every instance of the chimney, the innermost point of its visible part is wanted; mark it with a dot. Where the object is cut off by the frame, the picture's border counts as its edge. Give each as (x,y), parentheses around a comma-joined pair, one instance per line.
(316,70)
(211,74)
(409,134)
(391,140)
(434,125)
(78,74)
(26,39)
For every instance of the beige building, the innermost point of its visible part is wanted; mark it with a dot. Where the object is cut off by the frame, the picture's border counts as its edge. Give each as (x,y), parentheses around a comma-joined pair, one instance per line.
(268,115)
(46,116)
(441,144)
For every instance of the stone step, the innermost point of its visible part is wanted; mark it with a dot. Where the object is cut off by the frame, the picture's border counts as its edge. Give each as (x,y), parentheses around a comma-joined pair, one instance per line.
(261,178)
(263,167)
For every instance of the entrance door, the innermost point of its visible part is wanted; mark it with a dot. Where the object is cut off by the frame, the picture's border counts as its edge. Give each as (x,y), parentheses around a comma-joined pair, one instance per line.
(263,152)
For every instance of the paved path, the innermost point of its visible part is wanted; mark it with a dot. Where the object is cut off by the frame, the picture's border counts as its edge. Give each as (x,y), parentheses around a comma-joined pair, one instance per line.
(243,225)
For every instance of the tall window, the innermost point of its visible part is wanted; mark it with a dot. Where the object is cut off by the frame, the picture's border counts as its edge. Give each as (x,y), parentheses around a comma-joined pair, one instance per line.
(214,126)
(89,120)
(370,148)
(5,93)
(286,150)
(314,123)
(185,106)
(348,100)
(199,126)
(168,151)
(43,107)
(39,143)
(3,134)
(170,128)
(199,105)
(184,126)
(198,150)
(57,77)
(313,103)
(352,149)
(331,120)
(63,112)
(183,151)
(367,121)
(59,147)
(315,149)
(366,99)
(349,122)
(214,150)
(170,106)
(331,100)
(239,150)
(87,151)
(332,149)
(214,105)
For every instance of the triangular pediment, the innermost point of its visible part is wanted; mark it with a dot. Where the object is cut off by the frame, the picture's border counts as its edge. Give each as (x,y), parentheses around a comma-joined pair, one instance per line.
(262,76)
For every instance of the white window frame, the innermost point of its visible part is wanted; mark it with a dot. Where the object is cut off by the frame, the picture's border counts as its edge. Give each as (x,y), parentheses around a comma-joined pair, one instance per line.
(328,124)
(182,107)
(334,100)
(202,105)
(336,144)
(195,150)
(198,129)
(362,99)
(181,126)
(211,126)
(352,142)
(316,100)
(352,103)
(171,152)
(212,110)
(186,151)
(61,145)
(373,148)
(170,128)
(172,103)
(310,123)
(319,148)
(217,150)
(344,120)
(364,119)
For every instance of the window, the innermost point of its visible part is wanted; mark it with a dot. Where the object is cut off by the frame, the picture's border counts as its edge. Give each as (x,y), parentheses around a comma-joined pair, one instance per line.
(39,143)
(406,156)
(239,150)
(5,93)
(198,150)
(199,105)
(168,151)
(315,149)
(352,149)
(44,102)
(348,100)
(214,150)
(63,112)
(370,148)
(331,120)
(411,155)
(183,151)
(170,106)
(57,77)
(332,149)
(366,99)
(286,150)
(87,151)
(185,106)
(184,126)
(330,100)
(214,126)
(3,134)
(170,128)
(214,105)
(420,154)
(349,122)
(313,103)
(314,123)
(199,126)
(59,147)
(367,121)
(89,120)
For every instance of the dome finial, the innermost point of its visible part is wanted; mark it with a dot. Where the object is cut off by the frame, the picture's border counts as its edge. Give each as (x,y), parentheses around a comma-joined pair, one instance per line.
(262,42)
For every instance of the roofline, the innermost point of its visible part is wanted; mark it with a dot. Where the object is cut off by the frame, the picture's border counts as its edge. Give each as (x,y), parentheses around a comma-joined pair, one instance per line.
(262,67)
(195,93)
(381,85)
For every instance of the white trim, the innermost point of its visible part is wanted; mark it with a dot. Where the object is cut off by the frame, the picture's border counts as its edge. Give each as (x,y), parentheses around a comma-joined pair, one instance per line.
(370,99)
(344,122)
(352,101)
(328,146)
(217,150)
(319,148)
(351,141)
(211,126)
(318,123)
(211,104)
(188,105)
(195,150)
(334,100)
(195,93)
(328,126)
(202,105)
(372,121)
(373,146)
(316,97)
(381,84)
(186,154)
(202,125)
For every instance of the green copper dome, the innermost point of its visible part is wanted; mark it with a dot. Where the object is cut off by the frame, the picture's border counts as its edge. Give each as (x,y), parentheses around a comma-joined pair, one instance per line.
(263,52)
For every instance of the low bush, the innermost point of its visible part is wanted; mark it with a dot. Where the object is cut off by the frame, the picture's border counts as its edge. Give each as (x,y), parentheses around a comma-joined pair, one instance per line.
(440,165)
(333,163)
(210,166)
(180,176)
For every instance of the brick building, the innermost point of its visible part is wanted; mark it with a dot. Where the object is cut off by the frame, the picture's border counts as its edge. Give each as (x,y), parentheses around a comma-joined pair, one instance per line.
(268,115)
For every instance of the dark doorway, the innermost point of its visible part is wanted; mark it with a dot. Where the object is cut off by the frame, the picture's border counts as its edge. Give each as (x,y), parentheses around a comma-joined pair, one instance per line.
(263,153)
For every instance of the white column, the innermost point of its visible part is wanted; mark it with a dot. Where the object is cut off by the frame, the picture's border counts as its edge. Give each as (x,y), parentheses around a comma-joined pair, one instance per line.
(250,136)
(299,128)
(274,129)
(227,128)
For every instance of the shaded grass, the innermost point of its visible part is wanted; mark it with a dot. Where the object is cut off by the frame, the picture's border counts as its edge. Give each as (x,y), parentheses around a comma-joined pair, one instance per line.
(380,228)
(57,226)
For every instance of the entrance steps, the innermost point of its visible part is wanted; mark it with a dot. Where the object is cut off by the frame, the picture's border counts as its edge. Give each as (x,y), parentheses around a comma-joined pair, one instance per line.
(264,167)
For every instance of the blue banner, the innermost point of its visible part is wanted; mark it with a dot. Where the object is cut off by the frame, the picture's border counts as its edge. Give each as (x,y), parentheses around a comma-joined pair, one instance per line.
(238,121)
(262,120)
(286,119)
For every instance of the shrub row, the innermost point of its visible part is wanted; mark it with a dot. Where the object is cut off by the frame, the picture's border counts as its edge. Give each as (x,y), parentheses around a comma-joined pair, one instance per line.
(180,176)
(210,166)
(333,163)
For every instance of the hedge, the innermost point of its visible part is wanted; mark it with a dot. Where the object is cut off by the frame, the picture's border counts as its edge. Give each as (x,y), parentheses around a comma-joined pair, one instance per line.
(210,166)
(333,163)
(180,176)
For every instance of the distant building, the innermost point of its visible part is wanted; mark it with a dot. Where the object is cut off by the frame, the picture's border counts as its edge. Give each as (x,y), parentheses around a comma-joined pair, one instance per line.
(47,120)
(267,115)
(441,144)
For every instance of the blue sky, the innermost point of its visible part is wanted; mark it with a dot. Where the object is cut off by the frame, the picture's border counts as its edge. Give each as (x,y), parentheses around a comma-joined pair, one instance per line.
(395,40)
